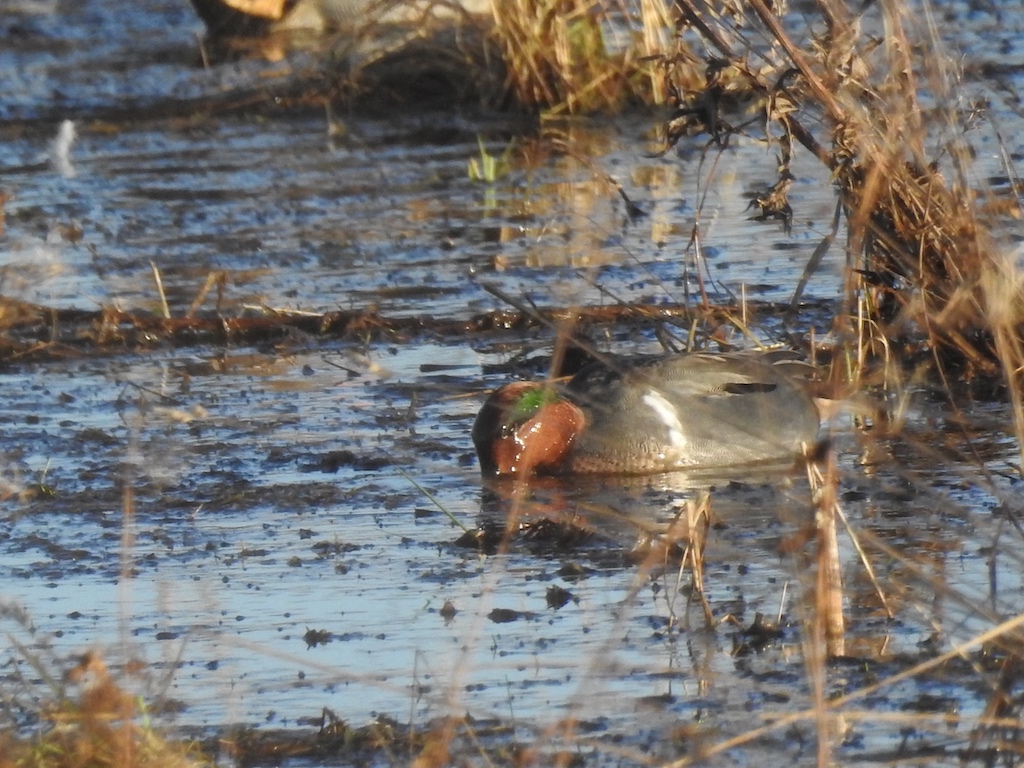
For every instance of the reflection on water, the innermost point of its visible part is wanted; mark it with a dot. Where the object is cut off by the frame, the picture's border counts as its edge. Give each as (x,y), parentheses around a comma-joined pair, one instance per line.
(625,510)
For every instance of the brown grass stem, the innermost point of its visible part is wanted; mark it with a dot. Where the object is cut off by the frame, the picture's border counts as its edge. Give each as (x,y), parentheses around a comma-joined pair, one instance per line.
(166,310)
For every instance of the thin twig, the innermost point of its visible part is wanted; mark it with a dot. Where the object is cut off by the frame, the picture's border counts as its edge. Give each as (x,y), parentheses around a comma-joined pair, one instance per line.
(160,290)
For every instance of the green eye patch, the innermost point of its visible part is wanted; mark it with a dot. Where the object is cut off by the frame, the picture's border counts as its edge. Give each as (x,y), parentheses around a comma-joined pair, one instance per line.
(531,402)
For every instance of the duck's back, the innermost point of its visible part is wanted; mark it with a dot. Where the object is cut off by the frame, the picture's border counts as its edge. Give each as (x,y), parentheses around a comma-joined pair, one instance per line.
(688,411)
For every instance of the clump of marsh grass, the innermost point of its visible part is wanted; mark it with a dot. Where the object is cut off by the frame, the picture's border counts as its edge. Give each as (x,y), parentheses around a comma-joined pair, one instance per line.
(563,55)
(82,717)
(919,249)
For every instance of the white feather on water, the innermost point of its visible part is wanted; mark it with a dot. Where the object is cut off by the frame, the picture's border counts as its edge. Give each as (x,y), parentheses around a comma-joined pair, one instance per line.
(60,150)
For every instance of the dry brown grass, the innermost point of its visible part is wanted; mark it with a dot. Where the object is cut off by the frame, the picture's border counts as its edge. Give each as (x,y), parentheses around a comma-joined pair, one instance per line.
(929,292)
(562,56)
(93,723)
(922,259)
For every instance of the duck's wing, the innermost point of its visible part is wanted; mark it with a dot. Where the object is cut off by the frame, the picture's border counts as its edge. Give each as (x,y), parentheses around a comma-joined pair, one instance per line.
(723,374)
(691,410)
(747,404)
(629,429)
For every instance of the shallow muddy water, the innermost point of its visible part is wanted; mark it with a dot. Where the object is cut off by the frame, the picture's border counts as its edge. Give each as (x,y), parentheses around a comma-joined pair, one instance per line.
(279,529)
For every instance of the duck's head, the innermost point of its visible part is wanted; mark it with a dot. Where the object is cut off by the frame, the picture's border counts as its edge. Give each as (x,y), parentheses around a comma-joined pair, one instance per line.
(524,429)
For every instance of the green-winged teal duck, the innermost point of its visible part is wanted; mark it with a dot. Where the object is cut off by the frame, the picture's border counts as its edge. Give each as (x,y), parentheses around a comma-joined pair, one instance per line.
(648,414)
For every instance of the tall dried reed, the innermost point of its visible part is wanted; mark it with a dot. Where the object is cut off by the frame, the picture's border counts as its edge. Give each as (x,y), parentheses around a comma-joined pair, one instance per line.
(582,55)
(920,249)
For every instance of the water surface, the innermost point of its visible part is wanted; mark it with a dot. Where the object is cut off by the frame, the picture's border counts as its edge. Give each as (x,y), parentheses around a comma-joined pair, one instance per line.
(277,529)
